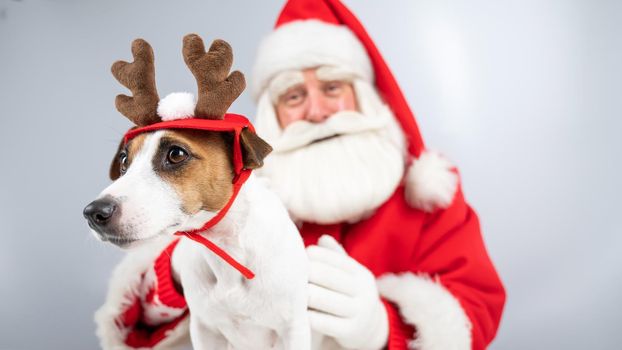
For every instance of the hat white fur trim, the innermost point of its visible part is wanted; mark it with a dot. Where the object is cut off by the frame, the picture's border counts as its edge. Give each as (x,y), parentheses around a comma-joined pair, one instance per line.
(176,105)
(431,182)
(440,321)
(307,44)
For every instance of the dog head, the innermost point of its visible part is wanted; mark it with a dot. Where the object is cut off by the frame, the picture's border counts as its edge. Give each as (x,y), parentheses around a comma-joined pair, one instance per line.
(167,181)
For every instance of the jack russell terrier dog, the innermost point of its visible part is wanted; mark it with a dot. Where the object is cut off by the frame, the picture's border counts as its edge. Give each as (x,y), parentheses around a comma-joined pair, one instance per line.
(184,176)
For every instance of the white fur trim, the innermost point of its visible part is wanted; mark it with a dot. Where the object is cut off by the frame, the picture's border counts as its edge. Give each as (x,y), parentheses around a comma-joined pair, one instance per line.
(176,105)
(123,287)
(307,44)
(430,182)
(440,320)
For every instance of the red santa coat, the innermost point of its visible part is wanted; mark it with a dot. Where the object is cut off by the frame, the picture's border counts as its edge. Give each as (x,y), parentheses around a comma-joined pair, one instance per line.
(433,272)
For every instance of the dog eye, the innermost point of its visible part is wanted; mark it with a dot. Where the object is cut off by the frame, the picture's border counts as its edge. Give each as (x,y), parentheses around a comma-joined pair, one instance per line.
(176,155)
(123,162)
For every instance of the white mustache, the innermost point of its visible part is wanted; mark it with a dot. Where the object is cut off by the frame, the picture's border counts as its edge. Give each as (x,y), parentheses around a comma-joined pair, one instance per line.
(302,133)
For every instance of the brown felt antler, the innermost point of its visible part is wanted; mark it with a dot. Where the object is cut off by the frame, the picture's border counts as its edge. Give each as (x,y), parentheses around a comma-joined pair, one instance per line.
(139,77)
(217,88)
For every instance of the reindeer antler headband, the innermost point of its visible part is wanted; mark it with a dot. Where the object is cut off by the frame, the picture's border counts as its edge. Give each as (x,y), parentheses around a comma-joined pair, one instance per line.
(217,89)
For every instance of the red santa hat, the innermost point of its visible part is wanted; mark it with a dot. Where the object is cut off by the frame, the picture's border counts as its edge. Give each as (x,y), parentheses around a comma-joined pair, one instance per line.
(312,33)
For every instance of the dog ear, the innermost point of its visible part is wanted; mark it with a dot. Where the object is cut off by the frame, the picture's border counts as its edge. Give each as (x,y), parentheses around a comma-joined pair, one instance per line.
(254,149)
(115,166)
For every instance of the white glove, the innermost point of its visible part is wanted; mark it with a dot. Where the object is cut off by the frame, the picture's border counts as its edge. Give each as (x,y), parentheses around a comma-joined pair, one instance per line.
(343,298)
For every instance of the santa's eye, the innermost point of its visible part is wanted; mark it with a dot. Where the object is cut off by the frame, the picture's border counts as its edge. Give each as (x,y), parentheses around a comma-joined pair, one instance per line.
(176,155)
(333,88)
(293,97)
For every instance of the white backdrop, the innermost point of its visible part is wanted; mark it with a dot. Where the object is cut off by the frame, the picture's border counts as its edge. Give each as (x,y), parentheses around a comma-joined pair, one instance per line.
(523,95)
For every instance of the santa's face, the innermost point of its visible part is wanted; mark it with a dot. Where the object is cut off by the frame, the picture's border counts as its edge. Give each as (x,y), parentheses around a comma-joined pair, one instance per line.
(339,153)
(314,99)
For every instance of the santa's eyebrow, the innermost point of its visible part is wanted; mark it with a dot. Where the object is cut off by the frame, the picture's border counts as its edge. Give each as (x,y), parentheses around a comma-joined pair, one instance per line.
(283,82)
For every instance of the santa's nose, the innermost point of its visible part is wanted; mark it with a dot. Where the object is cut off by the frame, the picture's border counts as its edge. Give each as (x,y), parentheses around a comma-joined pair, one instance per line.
(319,108)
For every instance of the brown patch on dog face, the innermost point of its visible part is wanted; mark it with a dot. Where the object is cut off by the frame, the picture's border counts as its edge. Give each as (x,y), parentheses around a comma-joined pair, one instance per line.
(198,165)
(129,151)
(134,146)
(115,167)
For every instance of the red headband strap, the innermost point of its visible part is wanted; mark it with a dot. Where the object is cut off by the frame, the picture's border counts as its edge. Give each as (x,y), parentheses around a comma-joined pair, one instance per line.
(231,123)
(196,236)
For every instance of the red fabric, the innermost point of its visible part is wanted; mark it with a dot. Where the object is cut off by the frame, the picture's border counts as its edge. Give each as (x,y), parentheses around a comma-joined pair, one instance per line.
(313,232)
(144,336)
(166,291)
(131,315)
(399,332)
(446,244)
(334,12)
(451,245)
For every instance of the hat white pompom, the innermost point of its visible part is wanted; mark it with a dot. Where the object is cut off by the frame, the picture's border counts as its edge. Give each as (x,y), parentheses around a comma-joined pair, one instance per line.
(431,182)
(176,105)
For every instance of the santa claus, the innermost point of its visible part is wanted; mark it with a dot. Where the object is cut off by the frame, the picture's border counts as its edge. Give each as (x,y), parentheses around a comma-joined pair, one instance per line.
(396,255)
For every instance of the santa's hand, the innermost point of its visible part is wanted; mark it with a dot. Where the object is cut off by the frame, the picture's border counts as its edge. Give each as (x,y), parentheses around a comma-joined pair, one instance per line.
(343,298)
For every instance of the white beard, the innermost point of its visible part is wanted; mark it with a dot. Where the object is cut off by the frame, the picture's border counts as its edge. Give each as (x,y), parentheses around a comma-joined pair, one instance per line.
(339,179)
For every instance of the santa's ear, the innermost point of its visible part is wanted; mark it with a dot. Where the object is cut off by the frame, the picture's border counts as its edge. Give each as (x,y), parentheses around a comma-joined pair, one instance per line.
(115,165)
(254,149)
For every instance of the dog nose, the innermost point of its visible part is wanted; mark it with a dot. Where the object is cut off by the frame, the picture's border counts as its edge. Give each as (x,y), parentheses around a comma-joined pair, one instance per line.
(99,211)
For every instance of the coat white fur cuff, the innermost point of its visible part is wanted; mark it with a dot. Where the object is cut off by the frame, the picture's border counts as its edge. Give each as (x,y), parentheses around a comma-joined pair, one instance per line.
(123,289)
(440,321)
